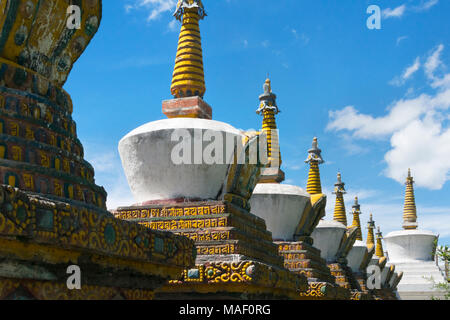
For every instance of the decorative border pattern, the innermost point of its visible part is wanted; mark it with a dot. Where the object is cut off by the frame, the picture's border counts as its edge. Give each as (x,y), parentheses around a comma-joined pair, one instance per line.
(250,273)
(78,229)
(46,290)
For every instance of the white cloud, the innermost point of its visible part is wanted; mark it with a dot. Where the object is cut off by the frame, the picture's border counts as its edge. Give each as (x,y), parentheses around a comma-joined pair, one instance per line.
(441,82)
(369,127)
(265,43)
(425,147)
(156,7)
(426,5)
(408,73)
(394,13)
(389,217)
(400,39)
(433,61)
(399,11)
(173,26)
(350,146)
(411,69)
(416,127)
(303,37)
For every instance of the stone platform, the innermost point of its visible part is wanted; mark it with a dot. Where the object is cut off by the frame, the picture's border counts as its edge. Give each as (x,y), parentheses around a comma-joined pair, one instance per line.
(190,107)
(302,258)
(236,257)
(40,238)
(416,283)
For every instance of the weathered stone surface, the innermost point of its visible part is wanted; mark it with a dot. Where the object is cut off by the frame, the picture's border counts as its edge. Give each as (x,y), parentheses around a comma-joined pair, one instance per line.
(39,148)
(356,255)
(52,214)
(281,206)
(236,257)
(35,35)
(327,238)
(409,245)
(191,107)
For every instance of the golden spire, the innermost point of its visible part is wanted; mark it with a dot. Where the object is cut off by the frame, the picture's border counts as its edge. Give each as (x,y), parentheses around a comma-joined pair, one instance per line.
(188,78)
(370,236)
(339,207)
(268,108)
(356,210)
(379,249)
(409,210)
(314,159)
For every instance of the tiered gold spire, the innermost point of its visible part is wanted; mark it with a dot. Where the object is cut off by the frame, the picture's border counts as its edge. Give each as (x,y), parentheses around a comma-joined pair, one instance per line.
(339,207)
(409,210)
(268,108)
(314,159)
(356,211)
(370,236)
(379,248)
(188,77)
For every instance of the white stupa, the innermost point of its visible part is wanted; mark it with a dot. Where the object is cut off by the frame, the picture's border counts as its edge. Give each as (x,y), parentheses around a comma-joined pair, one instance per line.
(411,250)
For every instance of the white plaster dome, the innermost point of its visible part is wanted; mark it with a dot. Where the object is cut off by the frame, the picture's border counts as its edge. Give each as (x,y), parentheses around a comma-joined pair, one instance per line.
(327,238)
(409,245)
(356,255)
(281,206)
(147,159)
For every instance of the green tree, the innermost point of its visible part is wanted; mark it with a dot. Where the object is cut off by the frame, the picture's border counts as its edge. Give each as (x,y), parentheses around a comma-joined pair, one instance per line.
(443,252)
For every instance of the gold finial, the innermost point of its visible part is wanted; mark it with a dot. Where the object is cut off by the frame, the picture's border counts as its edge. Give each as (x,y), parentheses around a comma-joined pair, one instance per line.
(370,236)
(314,159)
(379,248)
(409,209)
(268,108)
(188,77)
(356,211)
(339,207)
(269,85)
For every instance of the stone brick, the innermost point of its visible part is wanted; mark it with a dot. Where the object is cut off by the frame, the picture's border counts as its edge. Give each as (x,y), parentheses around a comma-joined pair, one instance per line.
(191,107)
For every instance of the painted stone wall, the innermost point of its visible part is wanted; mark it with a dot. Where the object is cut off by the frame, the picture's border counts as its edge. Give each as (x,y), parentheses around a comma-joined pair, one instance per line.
(39,148)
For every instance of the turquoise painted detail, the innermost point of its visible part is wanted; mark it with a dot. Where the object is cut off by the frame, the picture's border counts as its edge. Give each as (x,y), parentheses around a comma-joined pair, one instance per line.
(159,245)
(194,274)
(44,219)
(109,234)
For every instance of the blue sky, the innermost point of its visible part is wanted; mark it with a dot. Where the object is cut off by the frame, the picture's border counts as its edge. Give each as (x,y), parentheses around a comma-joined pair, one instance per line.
(378,100)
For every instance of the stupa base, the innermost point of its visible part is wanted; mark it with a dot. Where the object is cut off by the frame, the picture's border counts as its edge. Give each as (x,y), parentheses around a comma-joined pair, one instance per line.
(236,257)
(240,280)
(41,238)
(418,280)
(384,294)
(25,289)
(325,291)
(302,258)
(344,276)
